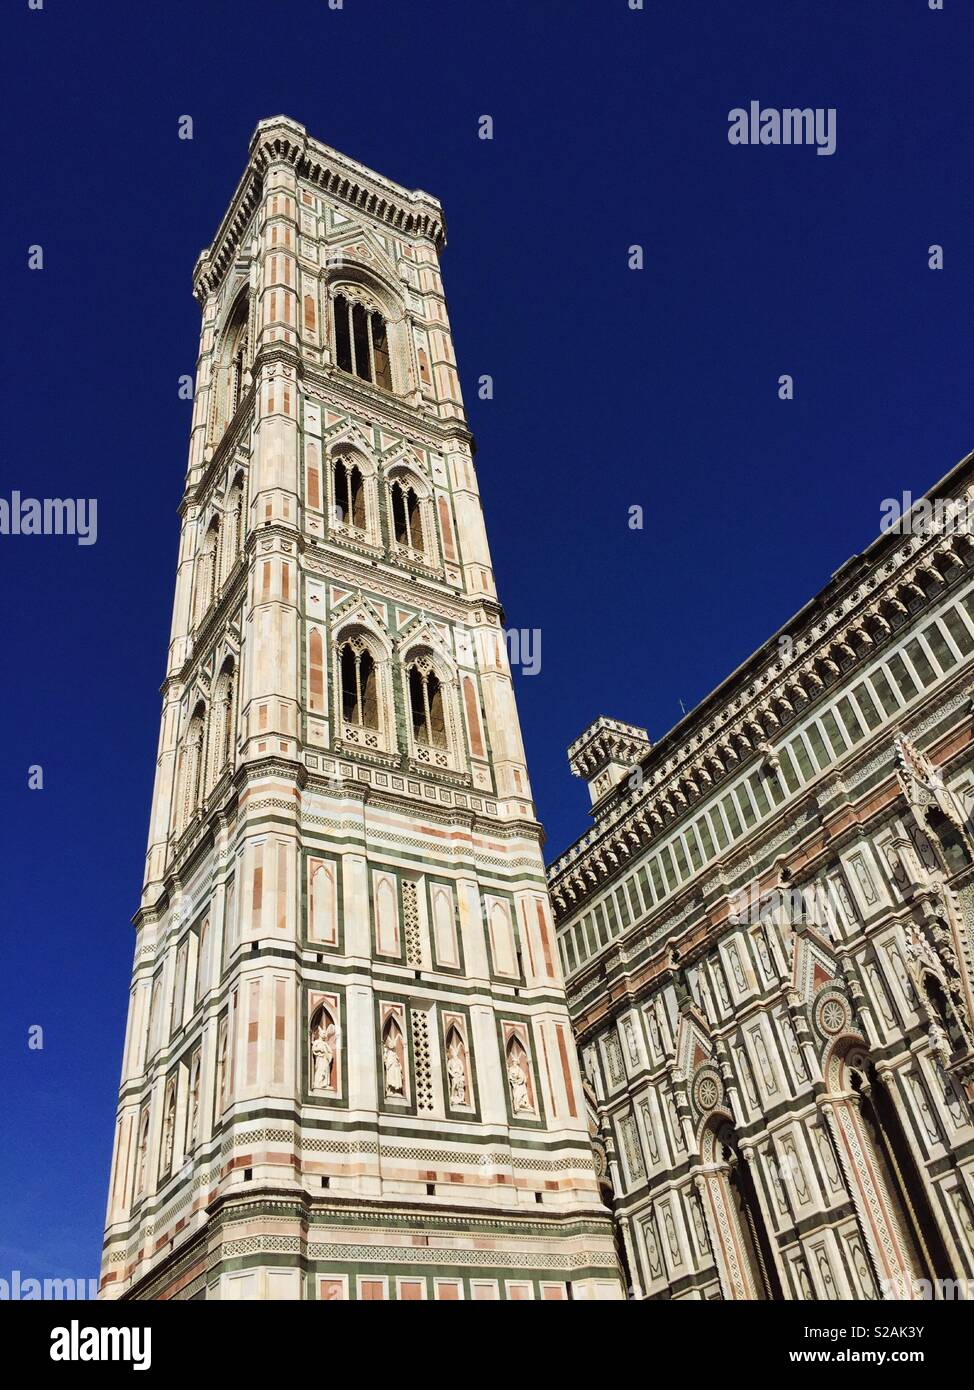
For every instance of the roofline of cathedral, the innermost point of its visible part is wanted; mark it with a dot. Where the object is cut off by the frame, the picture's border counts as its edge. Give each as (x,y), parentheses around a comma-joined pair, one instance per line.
(409,212)
(746,709)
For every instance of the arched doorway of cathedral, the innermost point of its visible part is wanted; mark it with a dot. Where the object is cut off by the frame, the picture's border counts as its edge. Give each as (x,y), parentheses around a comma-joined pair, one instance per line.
(895,1212)
(741,1240)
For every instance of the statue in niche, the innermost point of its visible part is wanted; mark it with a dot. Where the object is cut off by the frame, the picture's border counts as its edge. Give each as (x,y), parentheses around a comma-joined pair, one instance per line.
(392,1063)
(169,1134)
(939,1042)
(919,950)
(143,1156)
(456,1071)
(194,1114)
(323,1049)
(518,1079)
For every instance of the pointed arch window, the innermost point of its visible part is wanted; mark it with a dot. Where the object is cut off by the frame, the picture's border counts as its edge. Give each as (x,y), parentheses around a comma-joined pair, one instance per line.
(426,705)
(361,341)
(222,1066)
(230,368)
(235,520)
(225,718)
(407,518)
(359,684)
(236,381)
(203,961)
(191,767)
(349,492)
(208,570)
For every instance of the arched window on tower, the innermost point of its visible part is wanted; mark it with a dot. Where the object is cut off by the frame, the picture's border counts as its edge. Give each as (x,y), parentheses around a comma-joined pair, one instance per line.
(407,517)
(359,693)
(235,528)
(426,705)
(207,571)
(224,709)
(349,492)
(361,341)
(190,786)
(230,368)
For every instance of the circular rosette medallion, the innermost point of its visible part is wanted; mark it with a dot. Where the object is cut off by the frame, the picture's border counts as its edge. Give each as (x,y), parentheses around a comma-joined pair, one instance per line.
(708,1092)
(831,1015)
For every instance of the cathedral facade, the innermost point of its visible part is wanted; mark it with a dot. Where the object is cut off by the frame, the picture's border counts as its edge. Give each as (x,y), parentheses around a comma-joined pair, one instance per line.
(768,939)
(348,1070)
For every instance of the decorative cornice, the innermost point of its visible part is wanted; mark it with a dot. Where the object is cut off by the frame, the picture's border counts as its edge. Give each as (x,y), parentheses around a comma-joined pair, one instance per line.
(409,213)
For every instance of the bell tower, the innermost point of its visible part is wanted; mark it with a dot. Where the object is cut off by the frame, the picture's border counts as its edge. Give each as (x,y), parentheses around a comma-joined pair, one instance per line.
(348,1071)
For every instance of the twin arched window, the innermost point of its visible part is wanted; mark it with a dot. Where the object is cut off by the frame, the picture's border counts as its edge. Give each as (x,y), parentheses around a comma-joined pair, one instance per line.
(354,502)
(219,551)
(207,747)
(207,570)
(229,368)
(361,341)
(364,699)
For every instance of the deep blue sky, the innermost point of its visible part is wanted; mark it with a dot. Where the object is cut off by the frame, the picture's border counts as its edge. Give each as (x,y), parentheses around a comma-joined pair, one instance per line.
(612,387)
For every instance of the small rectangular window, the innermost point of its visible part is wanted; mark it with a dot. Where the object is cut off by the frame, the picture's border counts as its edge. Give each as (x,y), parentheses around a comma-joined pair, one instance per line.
(624,914)
(959,631)
(850,719)
(733,819)
(804,762)
(937,642)
(704,831)
(696,858)
(884,690)
(788,770)
(834,733)
(820,753)
(744,802)
(921,663)
(759,794)
(644,887)
(602,925)
(867,705)
(773,787)
(901,675)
